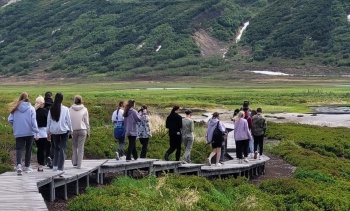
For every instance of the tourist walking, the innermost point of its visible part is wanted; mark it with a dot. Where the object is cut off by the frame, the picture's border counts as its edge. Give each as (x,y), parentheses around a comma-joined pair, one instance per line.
(242,136)
(216,139)
(174,124)
(258,130)
(119,130)
(187,135)
(131,118)
(81,129)
(49,145)
(22,118)
(59,126)
(144,130)
(41,119)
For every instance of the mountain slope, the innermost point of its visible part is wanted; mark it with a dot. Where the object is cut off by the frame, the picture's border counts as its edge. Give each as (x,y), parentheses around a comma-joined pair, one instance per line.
(126,38)
(302,28)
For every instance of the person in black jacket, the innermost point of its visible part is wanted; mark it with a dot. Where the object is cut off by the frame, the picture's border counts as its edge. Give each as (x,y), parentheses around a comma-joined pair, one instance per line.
(174,124)
(41,119)
(49,145)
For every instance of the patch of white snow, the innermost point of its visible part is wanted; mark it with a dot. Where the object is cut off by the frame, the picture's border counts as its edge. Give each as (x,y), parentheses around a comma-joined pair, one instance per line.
(269,72)
(10,2)
(245,25)
(158,48)
(140,46)
(2,41)
(54,31)
(349,17)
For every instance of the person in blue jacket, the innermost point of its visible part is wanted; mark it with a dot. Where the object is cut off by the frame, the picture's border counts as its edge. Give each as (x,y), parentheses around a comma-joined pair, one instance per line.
(23,120)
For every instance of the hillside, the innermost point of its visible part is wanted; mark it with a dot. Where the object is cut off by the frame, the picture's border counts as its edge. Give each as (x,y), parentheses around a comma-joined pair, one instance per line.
(124,39)
(297,29)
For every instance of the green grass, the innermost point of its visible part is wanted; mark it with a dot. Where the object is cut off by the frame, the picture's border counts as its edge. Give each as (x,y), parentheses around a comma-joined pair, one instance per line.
(321,154)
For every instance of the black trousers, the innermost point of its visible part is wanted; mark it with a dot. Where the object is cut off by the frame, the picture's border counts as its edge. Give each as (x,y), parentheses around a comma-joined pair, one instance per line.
(131,148)
(175,144)
(21,143)
(41,144)
(49,149)
(259,140)
(241,148)
(144,143)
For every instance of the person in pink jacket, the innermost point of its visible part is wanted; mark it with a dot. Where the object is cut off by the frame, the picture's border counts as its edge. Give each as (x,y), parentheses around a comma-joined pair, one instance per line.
(242,136)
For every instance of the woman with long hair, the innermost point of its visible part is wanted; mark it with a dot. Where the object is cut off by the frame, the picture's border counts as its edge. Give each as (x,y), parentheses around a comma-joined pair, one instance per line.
(119,129)
(216,142)
(242,136)
(174,124)
(23,120)
(81,129)
(59,126)
(144,130)
(41,119)
(131,118)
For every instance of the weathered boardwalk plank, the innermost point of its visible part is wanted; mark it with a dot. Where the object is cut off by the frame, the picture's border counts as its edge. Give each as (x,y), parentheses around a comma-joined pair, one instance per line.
(168,166)
(21,192)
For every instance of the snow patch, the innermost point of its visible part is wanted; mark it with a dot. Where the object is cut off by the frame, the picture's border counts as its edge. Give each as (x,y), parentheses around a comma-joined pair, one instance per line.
(245,25)
(158,48)
(349,17)
(2,41)
(54,31)
(270,72)
(140,46)
(10,2)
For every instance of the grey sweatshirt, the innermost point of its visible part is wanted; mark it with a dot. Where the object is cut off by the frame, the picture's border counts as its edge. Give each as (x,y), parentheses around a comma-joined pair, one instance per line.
(130,122)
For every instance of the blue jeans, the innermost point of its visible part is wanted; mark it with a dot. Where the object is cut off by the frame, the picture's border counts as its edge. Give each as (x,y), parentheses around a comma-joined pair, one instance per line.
(60,144)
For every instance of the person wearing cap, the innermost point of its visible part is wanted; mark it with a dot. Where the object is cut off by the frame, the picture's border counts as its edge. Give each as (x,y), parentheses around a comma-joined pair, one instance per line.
(187,135)
(174,124)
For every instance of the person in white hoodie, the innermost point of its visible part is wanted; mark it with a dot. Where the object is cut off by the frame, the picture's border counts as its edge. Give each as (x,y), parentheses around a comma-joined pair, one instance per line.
(81,127)
(23,120)
(59,126)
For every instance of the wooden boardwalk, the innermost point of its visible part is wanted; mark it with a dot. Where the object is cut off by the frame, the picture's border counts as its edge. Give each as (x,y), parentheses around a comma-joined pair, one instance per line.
(22,192)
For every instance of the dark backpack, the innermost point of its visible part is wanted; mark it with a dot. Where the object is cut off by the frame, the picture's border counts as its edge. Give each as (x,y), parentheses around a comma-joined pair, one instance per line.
(218,135)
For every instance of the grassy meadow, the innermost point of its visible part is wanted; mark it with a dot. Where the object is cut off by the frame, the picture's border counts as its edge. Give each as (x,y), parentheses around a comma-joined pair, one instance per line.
(321,155)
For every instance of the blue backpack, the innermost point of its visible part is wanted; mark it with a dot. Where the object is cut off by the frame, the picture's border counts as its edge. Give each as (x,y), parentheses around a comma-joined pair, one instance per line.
(119,128)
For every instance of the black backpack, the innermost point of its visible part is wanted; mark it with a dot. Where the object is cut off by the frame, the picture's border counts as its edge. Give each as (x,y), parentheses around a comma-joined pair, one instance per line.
(218,135)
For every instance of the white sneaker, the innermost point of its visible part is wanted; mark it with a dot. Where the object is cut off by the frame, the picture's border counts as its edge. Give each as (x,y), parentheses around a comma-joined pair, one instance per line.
(28,170)
(218,165)
(122,157)
(246,160)
(55,168)
(117,155)
(19,169)
(60,171)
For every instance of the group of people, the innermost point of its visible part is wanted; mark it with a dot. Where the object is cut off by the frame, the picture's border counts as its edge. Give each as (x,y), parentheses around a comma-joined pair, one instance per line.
(133,124)
(249,131)
(136,124)
(51,124)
